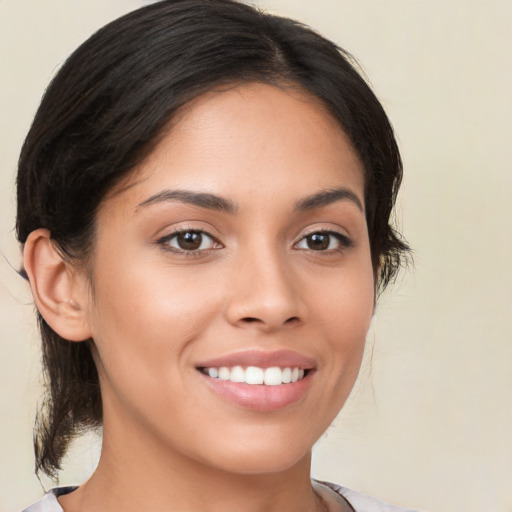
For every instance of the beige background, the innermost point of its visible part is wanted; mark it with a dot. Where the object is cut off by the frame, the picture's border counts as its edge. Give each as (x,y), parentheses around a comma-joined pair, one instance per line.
(430,424)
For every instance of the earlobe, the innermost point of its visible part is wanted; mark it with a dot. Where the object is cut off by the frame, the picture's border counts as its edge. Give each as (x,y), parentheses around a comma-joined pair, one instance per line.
(58,289)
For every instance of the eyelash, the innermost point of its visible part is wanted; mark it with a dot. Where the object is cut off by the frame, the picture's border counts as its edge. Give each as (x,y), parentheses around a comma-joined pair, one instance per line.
(344,242)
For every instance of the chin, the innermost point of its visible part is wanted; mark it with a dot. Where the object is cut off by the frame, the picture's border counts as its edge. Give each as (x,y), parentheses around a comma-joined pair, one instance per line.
(267,464)
(261,457)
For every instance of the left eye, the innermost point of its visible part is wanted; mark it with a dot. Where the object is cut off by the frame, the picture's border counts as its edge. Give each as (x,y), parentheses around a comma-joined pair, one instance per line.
(322,241)
(191,241)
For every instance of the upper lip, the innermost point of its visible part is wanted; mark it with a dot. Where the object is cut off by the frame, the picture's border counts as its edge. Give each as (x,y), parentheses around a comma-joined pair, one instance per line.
(262,359)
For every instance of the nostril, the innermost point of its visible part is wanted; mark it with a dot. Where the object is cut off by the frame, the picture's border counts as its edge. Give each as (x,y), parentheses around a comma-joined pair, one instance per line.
(250,319)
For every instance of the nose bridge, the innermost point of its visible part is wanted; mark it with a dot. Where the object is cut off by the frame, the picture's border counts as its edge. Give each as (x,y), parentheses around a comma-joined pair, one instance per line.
(265,293)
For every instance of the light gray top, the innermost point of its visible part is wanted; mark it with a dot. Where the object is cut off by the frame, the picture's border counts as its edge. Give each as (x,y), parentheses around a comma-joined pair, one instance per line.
(358,501)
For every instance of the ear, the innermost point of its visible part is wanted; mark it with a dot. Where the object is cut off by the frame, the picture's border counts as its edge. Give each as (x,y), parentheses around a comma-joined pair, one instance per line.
(60,291)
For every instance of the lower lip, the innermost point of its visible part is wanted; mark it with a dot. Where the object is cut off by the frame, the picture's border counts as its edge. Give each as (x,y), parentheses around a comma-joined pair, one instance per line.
(260,397)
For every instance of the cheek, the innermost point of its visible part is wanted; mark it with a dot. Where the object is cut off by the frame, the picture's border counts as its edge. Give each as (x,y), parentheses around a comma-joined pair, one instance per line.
(346,302)
(141,290)
(346,311)
(146,315)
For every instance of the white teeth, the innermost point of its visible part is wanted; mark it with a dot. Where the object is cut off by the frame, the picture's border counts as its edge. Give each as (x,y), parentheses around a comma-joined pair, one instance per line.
(237,374)
(253,375)
(224,373)
(273,376)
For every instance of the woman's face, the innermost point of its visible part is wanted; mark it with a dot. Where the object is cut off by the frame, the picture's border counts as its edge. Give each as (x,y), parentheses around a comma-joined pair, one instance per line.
(241,242)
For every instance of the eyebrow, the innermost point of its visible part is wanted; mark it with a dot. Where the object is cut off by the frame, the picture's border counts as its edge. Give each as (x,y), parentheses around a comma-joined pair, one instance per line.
(201,199)
(326,197)
(214,202)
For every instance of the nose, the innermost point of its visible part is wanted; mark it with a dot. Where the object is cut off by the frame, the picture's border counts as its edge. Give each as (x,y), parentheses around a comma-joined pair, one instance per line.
(265,294)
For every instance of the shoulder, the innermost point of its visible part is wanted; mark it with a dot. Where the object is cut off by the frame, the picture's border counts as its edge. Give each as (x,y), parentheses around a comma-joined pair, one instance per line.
(361,502)
(49,502)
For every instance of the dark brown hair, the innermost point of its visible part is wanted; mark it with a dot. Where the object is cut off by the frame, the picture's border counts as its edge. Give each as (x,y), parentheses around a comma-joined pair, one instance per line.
(103,113)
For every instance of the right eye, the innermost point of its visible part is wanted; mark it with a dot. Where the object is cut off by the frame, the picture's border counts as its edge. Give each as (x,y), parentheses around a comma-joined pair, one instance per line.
(189,241)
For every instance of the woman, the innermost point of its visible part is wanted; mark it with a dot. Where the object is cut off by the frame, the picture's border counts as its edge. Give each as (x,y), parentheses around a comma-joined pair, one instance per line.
(204,202)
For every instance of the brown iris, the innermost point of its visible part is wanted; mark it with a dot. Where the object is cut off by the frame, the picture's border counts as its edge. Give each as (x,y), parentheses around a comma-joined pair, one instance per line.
(318,241)
(189,240)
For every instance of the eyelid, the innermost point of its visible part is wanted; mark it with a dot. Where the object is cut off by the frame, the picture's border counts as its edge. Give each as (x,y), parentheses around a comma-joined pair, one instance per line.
(324,227)
(184,226)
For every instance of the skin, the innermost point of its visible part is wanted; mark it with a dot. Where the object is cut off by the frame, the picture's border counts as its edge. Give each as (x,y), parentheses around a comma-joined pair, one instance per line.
(154,310)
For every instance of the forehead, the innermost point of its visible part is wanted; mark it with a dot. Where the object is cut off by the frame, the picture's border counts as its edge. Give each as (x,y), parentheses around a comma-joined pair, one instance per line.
(249,137)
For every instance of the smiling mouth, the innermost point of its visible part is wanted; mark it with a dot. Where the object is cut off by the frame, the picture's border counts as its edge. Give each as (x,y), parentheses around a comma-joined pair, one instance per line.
(254,375)
(259,381)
